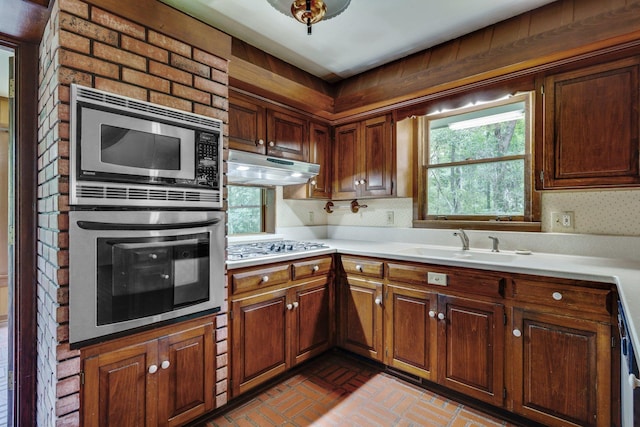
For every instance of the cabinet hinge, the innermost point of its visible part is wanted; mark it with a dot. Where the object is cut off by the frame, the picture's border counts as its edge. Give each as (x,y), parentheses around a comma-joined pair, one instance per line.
(504,393)
(542,90)
(12,88)
(230,315)
(386,352)
(541,176)
(10,379)
(81,377)
(504,318)
(614,342)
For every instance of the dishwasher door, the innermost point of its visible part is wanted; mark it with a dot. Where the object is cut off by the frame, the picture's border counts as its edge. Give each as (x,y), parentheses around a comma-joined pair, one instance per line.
(629,383)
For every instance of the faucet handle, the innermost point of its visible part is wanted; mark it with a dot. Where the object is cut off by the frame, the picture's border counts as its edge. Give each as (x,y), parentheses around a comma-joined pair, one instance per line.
(495,243)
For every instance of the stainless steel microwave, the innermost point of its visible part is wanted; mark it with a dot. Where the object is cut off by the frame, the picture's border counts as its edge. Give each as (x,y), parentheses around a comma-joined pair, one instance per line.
(125,152)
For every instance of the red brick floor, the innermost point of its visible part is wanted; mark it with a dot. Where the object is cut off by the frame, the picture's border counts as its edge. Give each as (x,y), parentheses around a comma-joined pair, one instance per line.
(338,391)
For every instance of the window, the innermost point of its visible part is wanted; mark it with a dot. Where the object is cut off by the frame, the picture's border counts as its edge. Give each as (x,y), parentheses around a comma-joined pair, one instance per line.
(477,164)
(250,209)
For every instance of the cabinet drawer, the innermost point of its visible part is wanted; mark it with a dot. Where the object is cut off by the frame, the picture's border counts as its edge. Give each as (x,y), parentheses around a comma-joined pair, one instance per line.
(563,296)
(255,279)
(471,282)
(363,266)
(311,268)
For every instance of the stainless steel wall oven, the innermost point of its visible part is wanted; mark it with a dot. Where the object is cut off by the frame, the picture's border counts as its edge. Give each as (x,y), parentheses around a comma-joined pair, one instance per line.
(130,269)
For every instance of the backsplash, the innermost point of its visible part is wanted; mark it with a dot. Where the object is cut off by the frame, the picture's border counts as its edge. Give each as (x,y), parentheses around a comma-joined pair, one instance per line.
(602,212)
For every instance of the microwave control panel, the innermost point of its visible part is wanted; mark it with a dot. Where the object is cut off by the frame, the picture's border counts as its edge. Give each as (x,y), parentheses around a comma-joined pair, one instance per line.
(208,173)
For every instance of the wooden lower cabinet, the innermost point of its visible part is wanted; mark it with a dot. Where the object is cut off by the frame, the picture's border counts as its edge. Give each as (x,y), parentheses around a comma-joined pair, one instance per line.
(167,381)
(275,330)
(562,369)
(361,317)
(456,342)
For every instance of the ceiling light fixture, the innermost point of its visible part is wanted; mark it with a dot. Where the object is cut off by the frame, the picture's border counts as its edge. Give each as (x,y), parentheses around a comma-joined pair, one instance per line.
(310,11)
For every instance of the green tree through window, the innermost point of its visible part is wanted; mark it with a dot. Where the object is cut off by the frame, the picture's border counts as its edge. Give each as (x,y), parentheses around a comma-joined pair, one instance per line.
(246,209)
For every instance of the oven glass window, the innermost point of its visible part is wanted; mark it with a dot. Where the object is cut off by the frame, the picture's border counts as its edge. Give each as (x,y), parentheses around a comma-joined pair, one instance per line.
(133,148)
(140,277)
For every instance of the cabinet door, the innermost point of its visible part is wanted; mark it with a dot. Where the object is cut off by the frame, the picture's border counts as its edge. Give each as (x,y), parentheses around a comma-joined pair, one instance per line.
(361,317)
(377,157)
(311,323)
(411,338)
(246,126)
(287,136)
(591,126)
(186,376)
(562,369)
(259,340)
(119,390)
(470,347)
(320,153)
(346,177)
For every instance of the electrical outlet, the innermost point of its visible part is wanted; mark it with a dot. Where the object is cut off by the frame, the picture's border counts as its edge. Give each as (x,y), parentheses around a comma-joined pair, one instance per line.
(562,221)
(389,217)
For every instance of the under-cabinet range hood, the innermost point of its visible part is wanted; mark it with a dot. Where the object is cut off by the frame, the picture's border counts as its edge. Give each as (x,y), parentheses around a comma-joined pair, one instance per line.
(257,169)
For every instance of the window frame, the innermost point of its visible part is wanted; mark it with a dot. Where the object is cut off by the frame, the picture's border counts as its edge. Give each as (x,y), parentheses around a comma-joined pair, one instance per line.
(529,221)
(267,209)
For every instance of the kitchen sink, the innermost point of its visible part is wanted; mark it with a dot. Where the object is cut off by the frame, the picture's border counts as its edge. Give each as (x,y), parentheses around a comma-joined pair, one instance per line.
(470,255)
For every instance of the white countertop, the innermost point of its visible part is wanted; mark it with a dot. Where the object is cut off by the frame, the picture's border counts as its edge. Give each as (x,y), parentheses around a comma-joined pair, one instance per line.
(624,273)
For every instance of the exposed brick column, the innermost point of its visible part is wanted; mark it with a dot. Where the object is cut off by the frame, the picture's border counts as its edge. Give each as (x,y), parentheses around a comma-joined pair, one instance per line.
(89,46)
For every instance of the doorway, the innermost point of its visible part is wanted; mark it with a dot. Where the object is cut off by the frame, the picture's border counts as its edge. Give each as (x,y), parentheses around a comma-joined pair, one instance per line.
(6,231)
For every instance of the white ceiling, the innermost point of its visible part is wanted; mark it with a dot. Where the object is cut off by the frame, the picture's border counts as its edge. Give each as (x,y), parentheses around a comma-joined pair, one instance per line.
(369,33)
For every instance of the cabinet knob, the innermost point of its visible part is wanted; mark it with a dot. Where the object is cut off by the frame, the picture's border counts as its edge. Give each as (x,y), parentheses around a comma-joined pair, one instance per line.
(272,144)
(260,142)
(517,333)
(313,182)
(265,279)
(557,296)
(378,301)
(359,268)
(153,369)
(153,256)
(362,181)
(289,306)
(441,316)
(315,268)
(295,304)
(165,364)
(356,182)
(432,313)
(164,276)
(634,382)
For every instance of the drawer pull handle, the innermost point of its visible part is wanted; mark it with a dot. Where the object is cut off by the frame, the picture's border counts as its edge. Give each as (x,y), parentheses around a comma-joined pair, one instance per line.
(359,268)
(315,268)
(378,301)
(289,306)
(153,369)
(634,382)
(153,256)
(432,313)
(557,296)
(517,333)
(165,364)
(441,316)
(265,279)
(164,276)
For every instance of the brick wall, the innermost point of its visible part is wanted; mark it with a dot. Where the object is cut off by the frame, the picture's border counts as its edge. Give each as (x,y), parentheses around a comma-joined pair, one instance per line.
(86,45)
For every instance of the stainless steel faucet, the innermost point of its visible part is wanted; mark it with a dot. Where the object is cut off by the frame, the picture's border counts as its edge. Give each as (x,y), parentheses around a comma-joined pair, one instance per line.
(495,242)
(463,238)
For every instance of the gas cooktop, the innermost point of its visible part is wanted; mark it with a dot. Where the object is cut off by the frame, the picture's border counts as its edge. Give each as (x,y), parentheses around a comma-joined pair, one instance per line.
(241,251)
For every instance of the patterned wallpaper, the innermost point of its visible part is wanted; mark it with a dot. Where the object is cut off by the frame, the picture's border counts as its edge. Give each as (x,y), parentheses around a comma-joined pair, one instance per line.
(607,212)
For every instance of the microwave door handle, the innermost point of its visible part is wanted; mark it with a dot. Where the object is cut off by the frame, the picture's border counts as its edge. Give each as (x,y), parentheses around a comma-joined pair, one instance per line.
(94,225)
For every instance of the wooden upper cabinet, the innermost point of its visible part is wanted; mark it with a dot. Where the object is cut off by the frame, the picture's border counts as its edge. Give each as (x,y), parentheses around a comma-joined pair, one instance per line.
(590,127)
(259,127)
(246,126)
(320,152)
(363,159)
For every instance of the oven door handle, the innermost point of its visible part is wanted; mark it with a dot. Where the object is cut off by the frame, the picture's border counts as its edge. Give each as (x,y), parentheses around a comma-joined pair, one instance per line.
(94,225)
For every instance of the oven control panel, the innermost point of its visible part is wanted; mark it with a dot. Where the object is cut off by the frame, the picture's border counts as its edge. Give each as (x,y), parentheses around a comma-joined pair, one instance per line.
(208,169)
